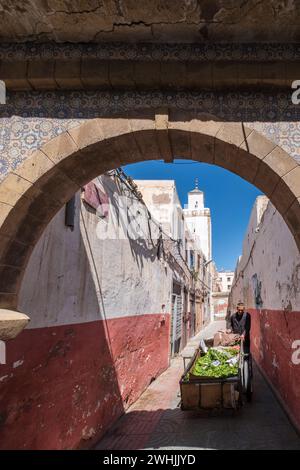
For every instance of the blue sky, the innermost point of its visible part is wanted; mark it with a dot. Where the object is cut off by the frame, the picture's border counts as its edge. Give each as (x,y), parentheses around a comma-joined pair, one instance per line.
(229,197)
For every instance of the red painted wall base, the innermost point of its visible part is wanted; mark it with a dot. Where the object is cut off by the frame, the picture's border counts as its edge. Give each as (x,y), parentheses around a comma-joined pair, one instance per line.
(273,333)
(63,387)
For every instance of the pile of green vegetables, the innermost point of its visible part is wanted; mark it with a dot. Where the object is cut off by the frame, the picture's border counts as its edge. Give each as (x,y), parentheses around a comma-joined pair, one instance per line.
(217,364)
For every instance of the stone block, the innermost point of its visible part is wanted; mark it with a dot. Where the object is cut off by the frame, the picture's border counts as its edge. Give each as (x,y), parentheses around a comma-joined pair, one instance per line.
(87,133)
(59,147)
(8,300)
(199,75)
(282,197)
(292,217)
(249,74)
(14,74)
(224,74)
(146,75)
(16,183)
(266,179)
(280,161)
(173,75)
(292,179)
(9,279)
(16,254)
(8,195)
(258,145)
(5,210)
(273,73)
(121,74)
(34,166)
(180,143)
(67,74)
(94,74)
(202,147)
(205,126)
(292,72)
(233,133)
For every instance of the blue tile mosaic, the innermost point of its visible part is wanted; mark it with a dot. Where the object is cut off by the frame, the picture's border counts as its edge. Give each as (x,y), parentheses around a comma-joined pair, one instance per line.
(29,119)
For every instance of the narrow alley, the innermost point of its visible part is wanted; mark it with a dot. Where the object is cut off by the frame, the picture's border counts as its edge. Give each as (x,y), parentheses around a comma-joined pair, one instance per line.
(156,421)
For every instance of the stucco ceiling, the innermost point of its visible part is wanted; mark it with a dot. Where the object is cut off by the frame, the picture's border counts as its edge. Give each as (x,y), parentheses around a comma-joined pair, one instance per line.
(150,20)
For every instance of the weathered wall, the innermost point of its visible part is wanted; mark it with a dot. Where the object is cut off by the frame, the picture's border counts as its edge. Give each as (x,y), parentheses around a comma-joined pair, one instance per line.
(158,20)
(98,334)
(267,279)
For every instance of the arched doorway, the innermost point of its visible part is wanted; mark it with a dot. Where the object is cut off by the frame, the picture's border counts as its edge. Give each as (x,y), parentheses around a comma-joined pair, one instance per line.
(33,193)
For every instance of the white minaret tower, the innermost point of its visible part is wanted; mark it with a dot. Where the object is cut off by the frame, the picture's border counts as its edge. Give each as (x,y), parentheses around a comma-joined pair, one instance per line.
(196,198)
(198,220)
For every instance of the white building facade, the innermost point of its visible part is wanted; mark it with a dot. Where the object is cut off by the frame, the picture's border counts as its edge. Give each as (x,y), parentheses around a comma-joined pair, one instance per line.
(225,279)
(191,304)
(198,222)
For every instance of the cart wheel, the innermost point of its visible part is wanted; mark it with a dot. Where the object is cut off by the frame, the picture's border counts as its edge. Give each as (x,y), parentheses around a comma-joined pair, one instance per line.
(248,379)
(251,366)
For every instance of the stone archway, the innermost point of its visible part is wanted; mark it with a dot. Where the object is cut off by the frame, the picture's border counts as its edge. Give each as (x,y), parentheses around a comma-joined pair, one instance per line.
(31,195)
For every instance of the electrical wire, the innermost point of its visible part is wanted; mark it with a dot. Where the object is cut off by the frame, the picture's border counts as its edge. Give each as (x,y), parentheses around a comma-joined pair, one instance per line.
(133,187)
(120,173)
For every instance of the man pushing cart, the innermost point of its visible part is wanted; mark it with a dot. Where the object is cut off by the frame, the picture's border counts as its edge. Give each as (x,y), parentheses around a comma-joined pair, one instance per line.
(219,376)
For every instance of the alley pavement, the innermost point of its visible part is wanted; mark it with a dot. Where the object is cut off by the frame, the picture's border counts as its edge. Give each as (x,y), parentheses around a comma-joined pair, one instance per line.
(156,421)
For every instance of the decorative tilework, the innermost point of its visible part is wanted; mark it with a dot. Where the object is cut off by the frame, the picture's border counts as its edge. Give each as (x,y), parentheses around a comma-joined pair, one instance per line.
(231,106)
(29,119)
(162,52)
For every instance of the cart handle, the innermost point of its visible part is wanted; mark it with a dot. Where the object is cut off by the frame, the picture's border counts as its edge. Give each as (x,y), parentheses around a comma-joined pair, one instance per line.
(241,352)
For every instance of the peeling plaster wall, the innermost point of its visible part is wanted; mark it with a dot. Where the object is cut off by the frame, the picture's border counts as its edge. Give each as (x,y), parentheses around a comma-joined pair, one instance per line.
(97,338)
(268,281)
(84,278)
(270,257)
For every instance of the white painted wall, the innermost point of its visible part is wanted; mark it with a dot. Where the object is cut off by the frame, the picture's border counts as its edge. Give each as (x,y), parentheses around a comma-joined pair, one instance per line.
(270,256)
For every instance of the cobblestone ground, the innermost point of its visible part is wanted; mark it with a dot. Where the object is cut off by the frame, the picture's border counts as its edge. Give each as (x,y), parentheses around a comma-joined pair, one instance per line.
(156,421)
